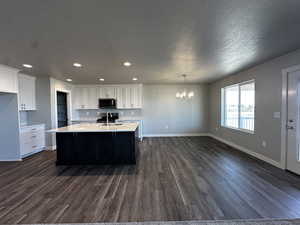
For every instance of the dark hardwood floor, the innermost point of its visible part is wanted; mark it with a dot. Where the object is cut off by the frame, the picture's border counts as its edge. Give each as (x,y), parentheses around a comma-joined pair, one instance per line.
(180,178)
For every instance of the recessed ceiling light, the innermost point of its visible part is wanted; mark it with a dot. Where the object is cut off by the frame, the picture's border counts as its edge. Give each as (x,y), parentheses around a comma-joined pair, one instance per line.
(127,64)
(77,64)
(27,65)
(135,79)
(101,79)
(69,80)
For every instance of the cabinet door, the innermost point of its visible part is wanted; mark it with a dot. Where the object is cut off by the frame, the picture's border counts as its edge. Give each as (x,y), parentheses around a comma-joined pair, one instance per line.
(107,92)
(128,97)
(26,92)
(92,98)
(132,97)
(122,100)
(81,98)
(135,97)
(78,98)
(85,97)
(138,97)
(8,79)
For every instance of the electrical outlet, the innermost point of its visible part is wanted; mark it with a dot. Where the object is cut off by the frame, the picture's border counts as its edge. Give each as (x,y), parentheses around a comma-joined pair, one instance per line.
(276,115)
(264,144)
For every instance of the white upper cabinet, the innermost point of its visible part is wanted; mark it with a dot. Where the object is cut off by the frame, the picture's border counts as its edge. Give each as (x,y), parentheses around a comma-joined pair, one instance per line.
(93,97)
(127,96)
(122,99)
(8,79)
(137,97)
(27,99)
(81,98)
(86,97)
(107,92)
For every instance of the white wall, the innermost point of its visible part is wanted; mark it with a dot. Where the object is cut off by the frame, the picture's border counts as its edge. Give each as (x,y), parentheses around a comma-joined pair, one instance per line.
(9,128)
(164,114)
(268,84)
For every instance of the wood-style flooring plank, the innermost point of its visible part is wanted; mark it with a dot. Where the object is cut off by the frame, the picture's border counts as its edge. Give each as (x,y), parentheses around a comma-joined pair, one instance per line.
(176,178)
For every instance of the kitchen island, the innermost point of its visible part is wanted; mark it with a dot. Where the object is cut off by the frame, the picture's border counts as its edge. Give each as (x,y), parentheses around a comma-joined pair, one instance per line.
(90,144)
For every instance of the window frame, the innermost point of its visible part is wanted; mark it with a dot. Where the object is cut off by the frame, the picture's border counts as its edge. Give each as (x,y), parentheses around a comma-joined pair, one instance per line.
(223,103)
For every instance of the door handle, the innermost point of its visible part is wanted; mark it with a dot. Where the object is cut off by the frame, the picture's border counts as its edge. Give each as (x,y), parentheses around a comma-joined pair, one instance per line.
(289,127)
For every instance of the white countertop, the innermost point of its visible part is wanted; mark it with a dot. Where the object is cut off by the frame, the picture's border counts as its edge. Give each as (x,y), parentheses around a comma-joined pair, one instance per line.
(31,125)
(95,119)
(85,120)
(96,127)
(130,118)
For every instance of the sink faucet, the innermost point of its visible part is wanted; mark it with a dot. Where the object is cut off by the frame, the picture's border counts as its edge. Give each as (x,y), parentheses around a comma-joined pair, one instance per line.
(107,114)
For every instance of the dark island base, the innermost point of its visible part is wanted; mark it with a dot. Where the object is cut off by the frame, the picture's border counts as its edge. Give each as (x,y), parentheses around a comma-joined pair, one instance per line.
(96,148)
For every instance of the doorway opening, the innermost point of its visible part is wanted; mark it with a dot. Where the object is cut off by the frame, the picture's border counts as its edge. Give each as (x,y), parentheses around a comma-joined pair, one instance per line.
(62,109)
(290,130)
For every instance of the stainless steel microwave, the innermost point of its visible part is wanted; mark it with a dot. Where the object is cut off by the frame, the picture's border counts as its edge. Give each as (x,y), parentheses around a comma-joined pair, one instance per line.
(107,103)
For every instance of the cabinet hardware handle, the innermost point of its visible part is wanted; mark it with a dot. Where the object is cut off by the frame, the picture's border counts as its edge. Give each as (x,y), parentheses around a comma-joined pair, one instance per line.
(33,136)
(34,146)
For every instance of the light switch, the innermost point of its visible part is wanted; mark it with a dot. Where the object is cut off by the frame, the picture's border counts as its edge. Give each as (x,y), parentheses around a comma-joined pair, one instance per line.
(276,115)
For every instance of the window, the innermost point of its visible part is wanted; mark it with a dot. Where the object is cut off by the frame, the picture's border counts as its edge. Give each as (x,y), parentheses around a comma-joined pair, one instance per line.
(238,106)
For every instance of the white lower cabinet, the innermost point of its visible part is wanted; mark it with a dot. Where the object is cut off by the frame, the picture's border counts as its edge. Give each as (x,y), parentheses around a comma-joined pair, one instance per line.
(32,139)
(140,122)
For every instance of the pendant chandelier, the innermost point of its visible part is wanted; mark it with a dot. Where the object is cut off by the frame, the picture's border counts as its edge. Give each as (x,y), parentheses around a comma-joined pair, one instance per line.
(184,94)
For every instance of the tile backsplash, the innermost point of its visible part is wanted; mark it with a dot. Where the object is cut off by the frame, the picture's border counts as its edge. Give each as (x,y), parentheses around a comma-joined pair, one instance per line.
(23,118)
(95,113)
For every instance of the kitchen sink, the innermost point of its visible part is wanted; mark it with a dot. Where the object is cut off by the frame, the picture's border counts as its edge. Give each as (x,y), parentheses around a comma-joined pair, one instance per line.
(111,124)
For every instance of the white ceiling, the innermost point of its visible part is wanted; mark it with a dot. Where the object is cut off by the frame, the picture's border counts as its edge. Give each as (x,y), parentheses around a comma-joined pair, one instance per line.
(205,39)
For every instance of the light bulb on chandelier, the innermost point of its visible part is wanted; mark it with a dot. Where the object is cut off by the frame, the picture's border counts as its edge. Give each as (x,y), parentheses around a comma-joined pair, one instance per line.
(184,94)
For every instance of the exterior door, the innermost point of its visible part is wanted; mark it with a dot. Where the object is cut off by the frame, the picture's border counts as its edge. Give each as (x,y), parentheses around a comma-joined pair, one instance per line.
(293,122)
(62,109)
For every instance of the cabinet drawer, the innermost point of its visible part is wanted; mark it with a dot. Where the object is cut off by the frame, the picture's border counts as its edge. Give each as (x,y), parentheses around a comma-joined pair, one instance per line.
(38,143)
(25,137)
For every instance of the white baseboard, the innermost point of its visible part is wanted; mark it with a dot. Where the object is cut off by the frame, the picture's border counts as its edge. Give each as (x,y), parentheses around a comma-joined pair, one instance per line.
(177,135)
(252,153)
(51,148)
(32,153)
(10,160)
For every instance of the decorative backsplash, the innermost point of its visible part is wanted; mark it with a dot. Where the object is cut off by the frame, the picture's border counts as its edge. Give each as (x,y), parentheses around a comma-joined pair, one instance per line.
(95,113)
(23,118)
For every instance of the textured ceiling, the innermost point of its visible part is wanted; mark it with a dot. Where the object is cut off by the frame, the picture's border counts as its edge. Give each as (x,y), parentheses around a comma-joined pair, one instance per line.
(205,39)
